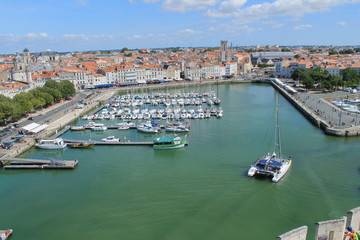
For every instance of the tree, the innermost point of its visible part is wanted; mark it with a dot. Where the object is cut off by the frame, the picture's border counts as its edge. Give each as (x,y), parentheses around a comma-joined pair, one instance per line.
(350,74)
(296,75)
(124,49)
(67,89)
(285,49)
(56,94)
(46,97)
(52,84)
(307,81)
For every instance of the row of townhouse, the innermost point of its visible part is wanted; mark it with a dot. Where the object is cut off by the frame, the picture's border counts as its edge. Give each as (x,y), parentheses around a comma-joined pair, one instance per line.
(202,71)
(123,75)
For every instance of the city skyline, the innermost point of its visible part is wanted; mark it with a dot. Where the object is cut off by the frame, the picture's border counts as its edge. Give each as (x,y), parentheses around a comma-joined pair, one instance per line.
(82,25)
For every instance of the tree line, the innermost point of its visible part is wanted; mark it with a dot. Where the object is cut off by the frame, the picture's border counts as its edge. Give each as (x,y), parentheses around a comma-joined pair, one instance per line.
(23,103)
(321,78)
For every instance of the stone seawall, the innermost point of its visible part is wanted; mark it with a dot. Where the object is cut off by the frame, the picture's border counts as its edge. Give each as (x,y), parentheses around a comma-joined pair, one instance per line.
(313,118)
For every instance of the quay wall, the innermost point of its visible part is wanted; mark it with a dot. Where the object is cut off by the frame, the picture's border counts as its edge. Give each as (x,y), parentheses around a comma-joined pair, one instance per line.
(317,121)
(327,230)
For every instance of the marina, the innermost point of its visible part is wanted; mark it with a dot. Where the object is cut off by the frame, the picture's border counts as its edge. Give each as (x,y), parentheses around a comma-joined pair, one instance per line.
(182,194)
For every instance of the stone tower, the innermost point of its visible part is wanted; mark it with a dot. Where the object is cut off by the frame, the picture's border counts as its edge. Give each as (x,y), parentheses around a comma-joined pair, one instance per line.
(224,51)
(22,67)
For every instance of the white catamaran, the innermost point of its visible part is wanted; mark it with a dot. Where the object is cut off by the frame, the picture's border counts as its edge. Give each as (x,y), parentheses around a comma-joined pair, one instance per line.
(273,164)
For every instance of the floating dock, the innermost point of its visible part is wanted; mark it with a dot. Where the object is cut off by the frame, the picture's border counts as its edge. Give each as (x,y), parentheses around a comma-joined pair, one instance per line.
(24,163)
(72,141)
(121,143)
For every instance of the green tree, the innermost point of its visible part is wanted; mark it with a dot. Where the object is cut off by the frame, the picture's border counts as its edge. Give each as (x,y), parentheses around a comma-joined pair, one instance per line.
(38,94)
(55,93)
(296,75)
(307,81)
(52,84)
(124,50)
(67,89)
(26,101)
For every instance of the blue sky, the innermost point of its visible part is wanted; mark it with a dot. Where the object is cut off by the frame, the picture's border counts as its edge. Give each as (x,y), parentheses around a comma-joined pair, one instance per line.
(78,25)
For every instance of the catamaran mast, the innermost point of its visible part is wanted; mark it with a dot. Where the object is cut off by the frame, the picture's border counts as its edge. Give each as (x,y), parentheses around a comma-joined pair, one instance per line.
(277,129)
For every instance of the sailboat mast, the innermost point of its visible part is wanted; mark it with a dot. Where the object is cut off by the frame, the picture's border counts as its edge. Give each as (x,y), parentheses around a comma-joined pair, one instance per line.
(277,128)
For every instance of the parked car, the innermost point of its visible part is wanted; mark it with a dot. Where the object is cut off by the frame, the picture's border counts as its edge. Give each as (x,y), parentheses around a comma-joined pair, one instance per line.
(31,118)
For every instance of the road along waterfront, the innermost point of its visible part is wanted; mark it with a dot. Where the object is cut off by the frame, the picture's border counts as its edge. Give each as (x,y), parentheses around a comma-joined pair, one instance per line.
(200,191)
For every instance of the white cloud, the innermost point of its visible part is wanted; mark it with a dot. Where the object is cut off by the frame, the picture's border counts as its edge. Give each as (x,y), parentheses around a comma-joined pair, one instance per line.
(342,23)
(303,26)
(75,37)
(294,8)
(233,29)
(37,36)
(27,37)
(186,32)
(87,38)
(183,6)
(274,24)
(149,36)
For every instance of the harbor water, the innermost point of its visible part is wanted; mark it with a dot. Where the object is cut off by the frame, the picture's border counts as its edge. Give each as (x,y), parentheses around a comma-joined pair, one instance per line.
(198,192)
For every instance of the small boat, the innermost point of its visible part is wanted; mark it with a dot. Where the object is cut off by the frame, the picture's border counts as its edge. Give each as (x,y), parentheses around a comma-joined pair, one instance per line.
(147,129)
(99,127)
(77,128)
(57,143)
(178,129)
(168,143)
(110,139)
(123,128)
(82,145)
(4,234)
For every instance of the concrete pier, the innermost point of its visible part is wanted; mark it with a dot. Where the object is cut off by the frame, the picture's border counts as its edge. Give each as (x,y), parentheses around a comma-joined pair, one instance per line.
(320,114)
(24,163)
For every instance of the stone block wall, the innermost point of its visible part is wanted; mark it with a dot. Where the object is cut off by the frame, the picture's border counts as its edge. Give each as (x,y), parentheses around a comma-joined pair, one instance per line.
(330,230)
(296,234)
(353,219)
(327,230)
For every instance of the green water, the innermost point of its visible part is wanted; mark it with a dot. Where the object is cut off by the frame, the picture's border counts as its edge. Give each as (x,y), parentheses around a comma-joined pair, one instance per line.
(197,192)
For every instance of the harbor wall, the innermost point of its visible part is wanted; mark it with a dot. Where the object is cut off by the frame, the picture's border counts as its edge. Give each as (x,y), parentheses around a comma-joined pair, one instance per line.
(353,219)
(296,234)
(330,230)
(327,230)
(313,118)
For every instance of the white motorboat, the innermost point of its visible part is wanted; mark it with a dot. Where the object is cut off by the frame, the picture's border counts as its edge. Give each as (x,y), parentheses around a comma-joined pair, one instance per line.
(147,129)
(51,144)
(98,127)
(110,139)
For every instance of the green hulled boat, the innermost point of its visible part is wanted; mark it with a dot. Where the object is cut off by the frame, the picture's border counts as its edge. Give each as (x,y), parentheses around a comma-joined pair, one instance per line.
(168,143)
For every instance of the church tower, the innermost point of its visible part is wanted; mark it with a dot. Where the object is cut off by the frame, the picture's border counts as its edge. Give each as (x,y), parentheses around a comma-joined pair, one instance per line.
(22,67)
(224,51)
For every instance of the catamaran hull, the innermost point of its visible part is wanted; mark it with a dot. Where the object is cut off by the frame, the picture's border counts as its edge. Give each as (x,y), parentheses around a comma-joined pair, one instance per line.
(276,176)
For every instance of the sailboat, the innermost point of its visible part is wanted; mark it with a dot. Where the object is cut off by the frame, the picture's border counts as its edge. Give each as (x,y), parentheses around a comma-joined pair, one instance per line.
(273,165)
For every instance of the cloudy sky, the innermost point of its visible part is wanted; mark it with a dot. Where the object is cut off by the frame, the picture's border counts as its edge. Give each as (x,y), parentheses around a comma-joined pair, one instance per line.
(77,25)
